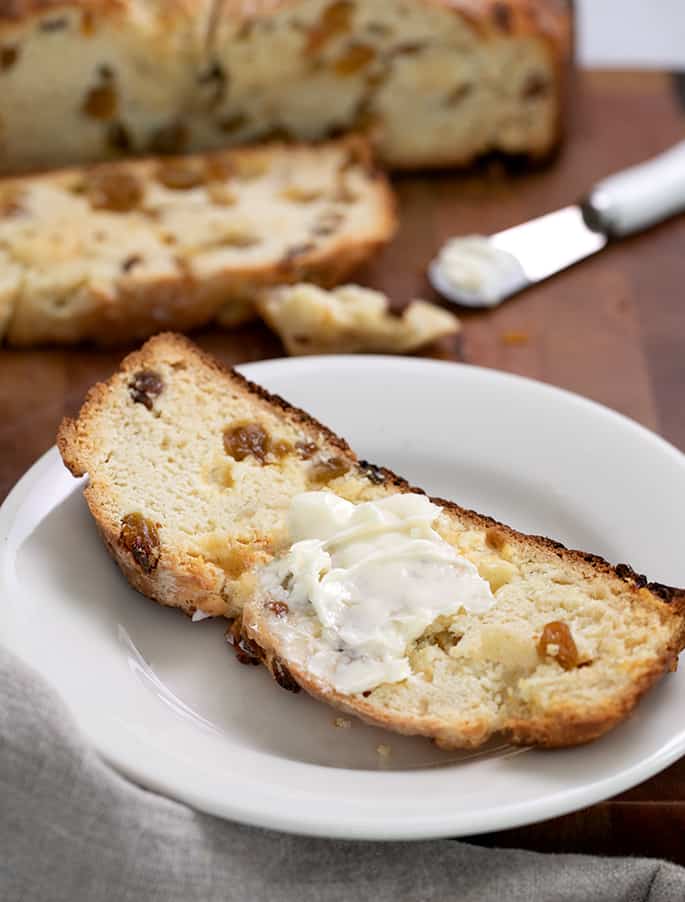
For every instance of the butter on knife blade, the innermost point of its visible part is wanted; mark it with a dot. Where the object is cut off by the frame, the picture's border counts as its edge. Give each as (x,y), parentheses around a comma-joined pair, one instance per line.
(479,271)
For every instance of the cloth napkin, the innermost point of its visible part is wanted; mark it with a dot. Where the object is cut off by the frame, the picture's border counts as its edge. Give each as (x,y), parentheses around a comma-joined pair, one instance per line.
(73,830)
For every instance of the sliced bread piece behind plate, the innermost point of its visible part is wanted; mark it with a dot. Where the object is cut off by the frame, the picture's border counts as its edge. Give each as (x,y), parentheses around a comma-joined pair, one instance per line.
(117,252)
(192,472)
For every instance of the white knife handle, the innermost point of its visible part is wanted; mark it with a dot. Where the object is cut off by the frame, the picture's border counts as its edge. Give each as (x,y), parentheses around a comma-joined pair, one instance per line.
(640,196)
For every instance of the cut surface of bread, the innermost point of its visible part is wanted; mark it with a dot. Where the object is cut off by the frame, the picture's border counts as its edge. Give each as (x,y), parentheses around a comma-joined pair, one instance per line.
(87,80)
(434,82)
(192,471)
(349,320)
(115,252)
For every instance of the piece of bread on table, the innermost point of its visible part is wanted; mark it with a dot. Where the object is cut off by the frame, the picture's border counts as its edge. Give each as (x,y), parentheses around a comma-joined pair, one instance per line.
(118,251)
(90,80)
(192,470)
(350,320)
(434,82)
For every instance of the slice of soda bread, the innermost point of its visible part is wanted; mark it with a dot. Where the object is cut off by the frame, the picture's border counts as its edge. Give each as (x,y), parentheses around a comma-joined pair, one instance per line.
(192,472)
(117,252)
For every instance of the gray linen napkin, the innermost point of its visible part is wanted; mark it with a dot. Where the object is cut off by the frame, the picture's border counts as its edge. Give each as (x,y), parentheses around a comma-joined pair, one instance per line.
(73,830)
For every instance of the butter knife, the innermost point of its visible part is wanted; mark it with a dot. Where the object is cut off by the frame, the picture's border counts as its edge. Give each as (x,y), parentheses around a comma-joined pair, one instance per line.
(479,271)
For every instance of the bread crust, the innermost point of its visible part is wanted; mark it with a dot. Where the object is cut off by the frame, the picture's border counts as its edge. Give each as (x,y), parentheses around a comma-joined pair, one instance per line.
(184,582)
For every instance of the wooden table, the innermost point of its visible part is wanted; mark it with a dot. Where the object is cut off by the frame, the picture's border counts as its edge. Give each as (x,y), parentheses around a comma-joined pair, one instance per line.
(612,329)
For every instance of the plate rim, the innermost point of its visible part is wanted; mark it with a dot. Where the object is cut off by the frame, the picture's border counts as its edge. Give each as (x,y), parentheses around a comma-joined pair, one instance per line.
(492,818)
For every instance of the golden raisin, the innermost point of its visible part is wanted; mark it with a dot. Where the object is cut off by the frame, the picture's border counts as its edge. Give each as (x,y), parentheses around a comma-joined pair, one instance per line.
(139,536)
(282,448)
(246,651)
(118,137)
(536,86)
(100,102)
(306,450)
(170,138)
(354,59)
(145,386)
(233,123)
(218,168)
(557,633)
(8,57)
(245,440)
(283,676)
(335,20)
(495,537)
(329,468)
(87,23)
(10,203)
(251,166)
(113,189)
(298,194)
(221,194)
(180,175)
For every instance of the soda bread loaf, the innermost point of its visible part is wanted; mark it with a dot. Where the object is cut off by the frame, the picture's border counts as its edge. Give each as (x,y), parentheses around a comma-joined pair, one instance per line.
(121,250)
(434,82)
(349,320)
(192,470)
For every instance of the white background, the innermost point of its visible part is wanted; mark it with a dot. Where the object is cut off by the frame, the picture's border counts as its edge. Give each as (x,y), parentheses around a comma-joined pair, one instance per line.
(631,33)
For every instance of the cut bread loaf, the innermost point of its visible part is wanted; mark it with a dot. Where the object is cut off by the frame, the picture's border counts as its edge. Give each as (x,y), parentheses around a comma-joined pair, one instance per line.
(118,251)
(434,82)
(349,320)
(192,471)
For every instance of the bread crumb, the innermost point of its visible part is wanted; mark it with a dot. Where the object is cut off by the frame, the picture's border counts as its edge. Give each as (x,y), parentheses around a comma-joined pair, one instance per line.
(342,723)
(384,751)
(515,337)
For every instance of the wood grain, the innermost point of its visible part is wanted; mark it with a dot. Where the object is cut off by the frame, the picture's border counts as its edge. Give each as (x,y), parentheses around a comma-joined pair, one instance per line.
(612,329)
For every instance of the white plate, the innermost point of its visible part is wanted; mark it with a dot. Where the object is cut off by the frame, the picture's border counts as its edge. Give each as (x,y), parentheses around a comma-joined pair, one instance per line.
(165,701)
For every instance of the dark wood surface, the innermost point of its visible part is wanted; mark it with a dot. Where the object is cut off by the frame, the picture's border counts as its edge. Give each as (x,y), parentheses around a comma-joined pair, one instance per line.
(612,329)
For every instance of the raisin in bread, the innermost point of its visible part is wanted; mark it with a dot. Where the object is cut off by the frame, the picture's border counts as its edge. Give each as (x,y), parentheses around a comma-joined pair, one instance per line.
(434,82)
(90,79)
(192,472)
(349,320)
(119,251)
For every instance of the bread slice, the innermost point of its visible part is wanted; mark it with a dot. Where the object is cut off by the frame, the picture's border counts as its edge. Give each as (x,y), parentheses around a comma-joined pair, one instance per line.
(192,471)
(433,82)
(119,251)
(350,320)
